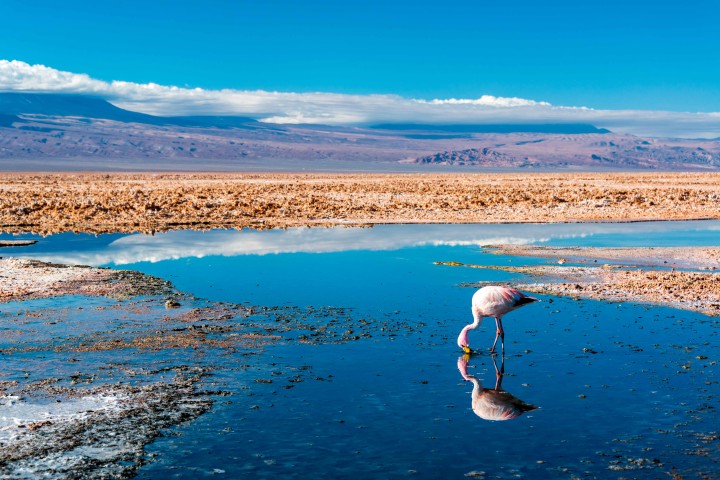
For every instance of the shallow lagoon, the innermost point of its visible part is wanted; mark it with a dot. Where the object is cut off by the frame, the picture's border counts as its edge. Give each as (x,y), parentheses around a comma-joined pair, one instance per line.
(622,390)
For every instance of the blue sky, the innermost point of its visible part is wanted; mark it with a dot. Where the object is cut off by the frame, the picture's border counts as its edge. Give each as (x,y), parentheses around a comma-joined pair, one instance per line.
(611,55)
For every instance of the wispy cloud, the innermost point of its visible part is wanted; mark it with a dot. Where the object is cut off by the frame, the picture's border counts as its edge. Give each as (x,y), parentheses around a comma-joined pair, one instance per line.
(335,108)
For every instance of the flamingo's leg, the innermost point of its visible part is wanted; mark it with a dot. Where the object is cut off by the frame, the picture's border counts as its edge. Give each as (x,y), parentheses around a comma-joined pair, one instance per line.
(500,333)
(497,335)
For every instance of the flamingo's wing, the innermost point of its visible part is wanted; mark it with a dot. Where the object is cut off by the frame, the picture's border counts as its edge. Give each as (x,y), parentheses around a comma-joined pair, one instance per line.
(518,298)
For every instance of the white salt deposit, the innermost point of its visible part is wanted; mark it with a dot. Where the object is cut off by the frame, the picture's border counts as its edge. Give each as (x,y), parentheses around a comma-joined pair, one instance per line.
(17,416)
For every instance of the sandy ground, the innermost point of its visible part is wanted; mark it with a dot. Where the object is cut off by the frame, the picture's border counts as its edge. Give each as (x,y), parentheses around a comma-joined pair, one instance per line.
(51,203)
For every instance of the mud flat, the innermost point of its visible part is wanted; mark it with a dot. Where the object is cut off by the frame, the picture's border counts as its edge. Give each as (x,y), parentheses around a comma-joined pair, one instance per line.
(89,433)
(99,203)
(27,279)
(84,417)
(79,422)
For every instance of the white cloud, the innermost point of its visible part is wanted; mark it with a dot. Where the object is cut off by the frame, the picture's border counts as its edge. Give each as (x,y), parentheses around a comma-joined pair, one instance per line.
(489,101)
(335,108)
(20,76)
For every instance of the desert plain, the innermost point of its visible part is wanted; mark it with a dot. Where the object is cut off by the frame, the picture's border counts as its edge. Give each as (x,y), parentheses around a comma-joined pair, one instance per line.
(101,203)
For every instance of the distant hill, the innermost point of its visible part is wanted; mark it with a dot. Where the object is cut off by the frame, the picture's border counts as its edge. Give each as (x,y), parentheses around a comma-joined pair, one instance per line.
(66,132)
(87,106)
(558,128)
(65,105)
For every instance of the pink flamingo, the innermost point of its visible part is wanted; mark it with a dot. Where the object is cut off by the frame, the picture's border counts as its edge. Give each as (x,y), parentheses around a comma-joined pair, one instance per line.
(493,301)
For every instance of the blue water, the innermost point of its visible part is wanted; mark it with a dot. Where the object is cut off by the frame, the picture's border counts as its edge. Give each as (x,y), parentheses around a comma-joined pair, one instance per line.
(622,390)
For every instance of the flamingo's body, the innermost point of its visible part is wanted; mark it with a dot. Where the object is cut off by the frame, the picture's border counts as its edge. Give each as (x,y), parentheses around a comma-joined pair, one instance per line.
(493,301)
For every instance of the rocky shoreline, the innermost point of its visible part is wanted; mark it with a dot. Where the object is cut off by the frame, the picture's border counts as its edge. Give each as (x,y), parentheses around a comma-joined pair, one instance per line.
(24,279)
(700,258)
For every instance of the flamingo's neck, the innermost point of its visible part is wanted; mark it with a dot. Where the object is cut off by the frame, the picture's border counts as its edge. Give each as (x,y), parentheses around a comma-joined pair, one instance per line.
(463,337)
(476,320)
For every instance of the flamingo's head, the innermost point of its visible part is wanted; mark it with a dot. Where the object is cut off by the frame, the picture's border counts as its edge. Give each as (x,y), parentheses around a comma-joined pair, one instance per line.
(463,341)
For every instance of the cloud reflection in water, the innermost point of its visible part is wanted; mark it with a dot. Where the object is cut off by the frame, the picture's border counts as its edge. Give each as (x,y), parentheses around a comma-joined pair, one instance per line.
(185,244)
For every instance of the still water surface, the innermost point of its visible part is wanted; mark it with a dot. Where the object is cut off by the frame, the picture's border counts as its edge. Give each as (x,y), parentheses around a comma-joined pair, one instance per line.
(622,390)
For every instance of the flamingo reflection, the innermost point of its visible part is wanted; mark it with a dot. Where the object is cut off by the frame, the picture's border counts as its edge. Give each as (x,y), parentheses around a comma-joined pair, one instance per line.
(493,403)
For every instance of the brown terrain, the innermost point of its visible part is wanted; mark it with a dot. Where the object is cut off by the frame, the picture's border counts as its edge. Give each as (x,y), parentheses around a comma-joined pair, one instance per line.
(97,203)
(679,289)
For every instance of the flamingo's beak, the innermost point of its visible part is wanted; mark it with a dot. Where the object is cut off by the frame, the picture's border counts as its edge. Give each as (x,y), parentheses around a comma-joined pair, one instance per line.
(466,349)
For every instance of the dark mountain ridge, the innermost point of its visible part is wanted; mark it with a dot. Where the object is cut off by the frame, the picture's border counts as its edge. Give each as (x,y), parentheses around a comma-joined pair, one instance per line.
(67,105)
(88,106)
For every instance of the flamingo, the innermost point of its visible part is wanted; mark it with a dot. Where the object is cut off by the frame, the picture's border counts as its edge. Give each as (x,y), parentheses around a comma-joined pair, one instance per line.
(493,403)
(493,301)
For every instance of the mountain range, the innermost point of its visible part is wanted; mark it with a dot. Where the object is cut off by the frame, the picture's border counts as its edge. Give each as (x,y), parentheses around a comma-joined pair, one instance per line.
(80,132)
